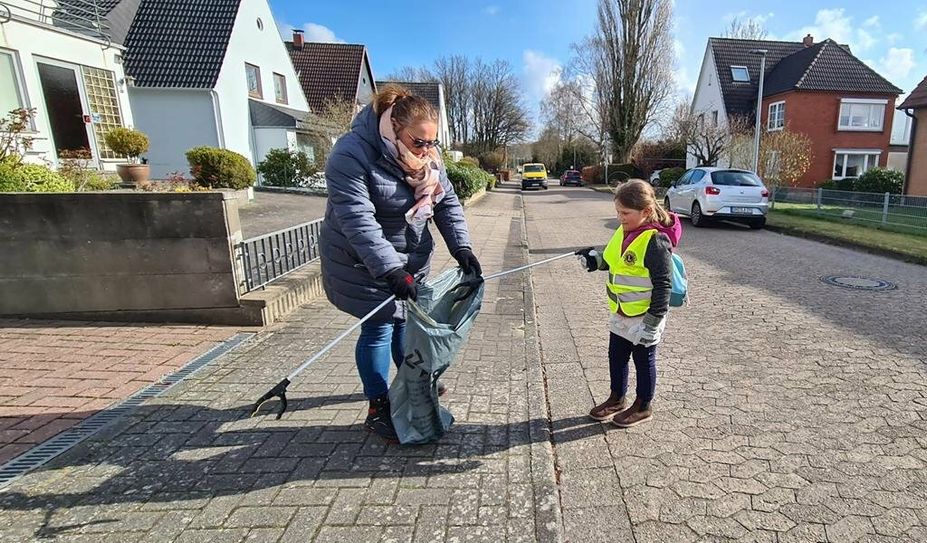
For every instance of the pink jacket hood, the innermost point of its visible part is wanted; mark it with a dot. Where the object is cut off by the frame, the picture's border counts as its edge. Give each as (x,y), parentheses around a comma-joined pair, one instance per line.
(673,232)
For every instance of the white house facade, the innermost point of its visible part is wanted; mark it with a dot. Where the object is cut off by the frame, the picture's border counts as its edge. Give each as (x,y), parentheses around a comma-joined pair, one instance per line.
(63,65)
(707,101)
(203,71)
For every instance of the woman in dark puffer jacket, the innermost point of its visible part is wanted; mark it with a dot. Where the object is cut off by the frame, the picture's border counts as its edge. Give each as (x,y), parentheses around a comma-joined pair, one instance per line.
(386,182)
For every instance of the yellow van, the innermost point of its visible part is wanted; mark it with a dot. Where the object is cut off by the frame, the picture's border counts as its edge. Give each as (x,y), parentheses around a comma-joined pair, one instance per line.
(533,175)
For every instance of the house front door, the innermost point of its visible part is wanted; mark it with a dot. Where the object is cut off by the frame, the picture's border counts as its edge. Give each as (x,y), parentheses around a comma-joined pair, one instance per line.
(64,104)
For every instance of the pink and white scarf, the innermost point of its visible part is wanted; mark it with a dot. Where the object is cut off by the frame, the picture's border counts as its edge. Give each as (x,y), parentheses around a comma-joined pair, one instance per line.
(422,174)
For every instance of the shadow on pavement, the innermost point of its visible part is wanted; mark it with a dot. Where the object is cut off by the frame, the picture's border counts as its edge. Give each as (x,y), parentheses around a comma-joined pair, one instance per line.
(168,453)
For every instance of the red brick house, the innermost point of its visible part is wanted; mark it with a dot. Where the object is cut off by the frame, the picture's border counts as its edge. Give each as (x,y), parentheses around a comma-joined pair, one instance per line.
(915,105)
(817,89)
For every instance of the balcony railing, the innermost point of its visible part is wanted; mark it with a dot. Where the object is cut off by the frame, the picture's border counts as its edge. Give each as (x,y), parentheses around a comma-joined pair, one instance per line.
(85,17)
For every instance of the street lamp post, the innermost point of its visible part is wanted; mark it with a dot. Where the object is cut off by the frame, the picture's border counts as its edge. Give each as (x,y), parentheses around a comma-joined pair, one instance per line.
(759,109)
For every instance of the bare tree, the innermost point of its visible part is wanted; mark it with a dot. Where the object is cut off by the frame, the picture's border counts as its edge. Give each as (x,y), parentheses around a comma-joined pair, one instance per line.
(418,74)
(338,113)
(583,72)
(632,61)
(708,141)
(745,29)
(454,73)
(498,115)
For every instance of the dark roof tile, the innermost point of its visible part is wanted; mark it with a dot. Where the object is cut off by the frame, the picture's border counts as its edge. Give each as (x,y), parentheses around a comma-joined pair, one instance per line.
(917,98)
(179,43)
(825,66)
(328,70)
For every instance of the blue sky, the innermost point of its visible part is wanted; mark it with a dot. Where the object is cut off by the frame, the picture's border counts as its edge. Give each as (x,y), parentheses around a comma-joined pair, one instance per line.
(535,35)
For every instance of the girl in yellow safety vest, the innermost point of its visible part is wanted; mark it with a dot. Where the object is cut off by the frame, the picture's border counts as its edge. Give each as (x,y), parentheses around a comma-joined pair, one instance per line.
(638,259)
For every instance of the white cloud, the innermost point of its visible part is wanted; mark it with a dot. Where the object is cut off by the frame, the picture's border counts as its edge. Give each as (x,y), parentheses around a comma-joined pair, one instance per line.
(491,10)
(312,32)
(893,38)
(317,32)
(872,21)
(897,64)
(678,49)
(541,74)
(921,22)
(684,82)
(838,26)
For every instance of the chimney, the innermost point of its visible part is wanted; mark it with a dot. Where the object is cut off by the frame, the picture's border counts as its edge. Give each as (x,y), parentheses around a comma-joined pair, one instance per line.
(808,40)
(297,38)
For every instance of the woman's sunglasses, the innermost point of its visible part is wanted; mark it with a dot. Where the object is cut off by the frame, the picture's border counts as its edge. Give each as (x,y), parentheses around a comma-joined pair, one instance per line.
(425,143)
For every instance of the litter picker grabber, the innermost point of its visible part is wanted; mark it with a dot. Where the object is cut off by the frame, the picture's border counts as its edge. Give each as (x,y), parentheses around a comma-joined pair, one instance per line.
(468,287)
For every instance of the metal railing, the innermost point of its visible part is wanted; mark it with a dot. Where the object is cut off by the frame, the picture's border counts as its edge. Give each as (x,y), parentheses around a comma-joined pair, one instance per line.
(85,17)
(894,211)
(271,256)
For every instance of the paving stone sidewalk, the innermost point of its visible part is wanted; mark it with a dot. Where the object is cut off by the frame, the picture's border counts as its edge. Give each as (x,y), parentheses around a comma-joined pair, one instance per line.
(54,374)
(786,409)
(191,467)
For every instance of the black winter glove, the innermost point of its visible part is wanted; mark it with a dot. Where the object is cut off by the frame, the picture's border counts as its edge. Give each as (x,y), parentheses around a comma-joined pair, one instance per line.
(468,262)
(401,284)
(587,258)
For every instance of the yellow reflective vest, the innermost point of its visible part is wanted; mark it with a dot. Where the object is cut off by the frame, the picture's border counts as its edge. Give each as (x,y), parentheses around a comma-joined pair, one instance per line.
(629,285)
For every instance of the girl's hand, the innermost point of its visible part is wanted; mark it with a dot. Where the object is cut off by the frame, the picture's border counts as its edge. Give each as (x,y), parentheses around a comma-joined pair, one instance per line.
(588,258)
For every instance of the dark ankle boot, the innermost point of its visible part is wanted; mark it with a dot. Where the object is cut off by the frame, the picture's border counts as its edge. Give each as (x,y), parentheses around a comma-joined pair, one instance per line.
(442,389)
(609,408)
(379,420)
(640,411)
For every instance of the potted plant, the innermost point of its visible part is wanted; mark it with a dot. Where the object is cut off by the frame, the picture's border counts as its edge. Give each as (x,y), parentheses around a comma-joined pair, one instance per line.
(129,143)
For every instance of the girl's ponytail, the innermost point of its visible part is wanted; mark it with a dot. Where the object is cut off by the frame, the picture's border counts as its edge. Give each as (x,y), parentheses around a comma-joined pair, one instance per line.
(638,194)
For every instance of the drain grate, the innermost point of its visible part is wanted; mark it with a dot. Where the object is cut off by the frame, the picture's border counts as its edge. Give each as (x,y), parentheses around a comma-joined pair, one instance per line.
(42,453)
(857,283)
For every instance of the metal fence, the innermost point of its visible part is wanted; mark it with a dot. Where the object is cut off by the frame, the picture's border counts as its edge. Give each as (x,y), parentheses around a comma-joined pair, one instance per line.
(87,17)
(271,256)
(896,211)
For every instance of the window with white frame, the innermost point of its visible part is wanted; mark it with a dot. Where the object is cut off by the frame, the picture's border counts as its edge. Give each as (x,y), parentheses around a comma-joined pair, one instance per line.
(10,91)
(852,163)
(740,74)
(861,114)
(776,118)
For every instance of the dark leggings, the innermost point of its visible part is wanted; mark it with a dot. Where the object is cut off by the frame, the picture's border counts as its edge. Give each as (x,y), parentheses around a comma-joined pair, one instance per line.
(620,351)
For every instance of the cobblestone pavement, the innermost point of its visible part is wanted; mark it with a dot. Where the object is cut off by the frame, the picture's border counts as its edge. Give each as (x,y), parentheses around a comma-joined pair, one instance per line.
(190,467)
(53,374)
(271,211)
(786,410)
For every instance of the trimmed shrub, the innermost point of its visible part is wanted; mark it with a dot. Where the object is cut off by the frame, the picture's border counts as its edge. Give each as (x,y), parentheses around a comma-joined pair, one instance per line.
(127,142)
(629,171)
(220,168)
(469,162)
(31,178)
(880,180)
(846,184)
(593,174)
(491,161)
(668,176)
(285,168)
(467,180)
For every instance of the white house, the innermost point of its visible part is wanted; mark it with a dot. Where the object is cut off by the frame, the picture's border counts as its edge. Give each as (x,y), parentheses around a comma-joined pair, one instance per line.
(59,58)
(210,72)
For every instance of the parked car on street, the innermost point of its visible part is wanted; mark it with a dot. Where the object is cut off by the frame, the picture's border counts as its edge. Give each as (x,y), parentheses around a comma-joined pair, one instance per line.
(571,177)
(655,178)
(534,175)
(705,193)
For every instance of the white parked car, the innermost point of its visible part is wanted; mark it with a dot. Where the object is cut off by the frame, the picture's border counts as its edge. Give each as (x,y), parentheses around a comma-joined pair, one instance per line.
(707,193)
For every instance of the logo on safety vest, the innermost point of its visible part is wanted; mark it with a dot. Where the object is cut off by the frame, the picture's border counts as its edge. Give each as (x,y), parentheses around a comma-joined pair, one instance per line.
(630,258)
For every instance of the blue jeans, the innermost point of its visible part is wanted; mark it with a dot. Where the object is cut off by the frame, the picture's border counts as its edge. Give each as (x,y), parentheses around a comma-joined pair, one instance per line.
(645,365)
(378,342)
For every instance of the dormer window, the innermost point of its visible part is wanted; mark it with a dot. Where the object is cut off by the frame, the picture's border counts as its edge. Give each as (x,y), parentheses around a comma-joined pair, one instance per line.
(740,74)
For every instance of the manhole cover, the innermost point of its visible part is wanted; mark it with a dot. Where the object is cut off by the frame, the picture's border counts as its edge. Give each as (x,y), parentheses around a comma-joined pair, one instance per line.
(858,283)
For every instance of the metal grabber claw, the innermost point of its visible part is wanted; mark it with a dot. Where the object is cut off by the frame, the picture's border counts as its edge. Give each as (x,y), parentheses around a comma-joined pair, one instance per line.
(279,391)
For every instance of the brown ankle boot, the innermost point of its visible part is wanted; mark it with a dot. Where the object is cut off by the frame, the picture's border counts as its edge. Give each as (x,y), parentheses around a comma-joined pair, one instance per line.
(609,408)
(640,411)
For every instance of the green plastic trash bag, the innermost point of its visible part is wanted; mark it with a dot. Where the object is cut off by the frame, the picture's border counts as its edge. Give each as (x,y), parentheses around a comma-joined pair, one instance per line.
(437,326)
